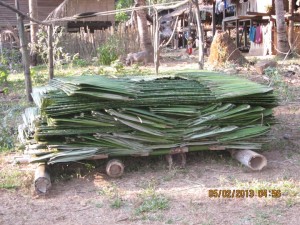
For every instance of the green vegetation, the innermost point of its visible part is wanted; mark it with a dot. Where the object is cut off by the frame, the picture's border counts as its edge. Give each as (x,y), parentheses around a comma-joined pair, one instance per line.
(3,75)
(110,51)
(9,179)
(12,178)
(121,4)
(151,201)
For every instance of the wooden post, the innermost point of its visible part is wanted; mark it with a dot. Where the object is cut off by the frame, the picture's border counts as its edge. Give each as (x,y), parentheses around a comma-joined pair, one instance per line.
(33,12)
(190,20)
(291,23)
(214,19)
(156,41)
(50,53)
(237,33)
(245,34)
(200,35)
(25,54)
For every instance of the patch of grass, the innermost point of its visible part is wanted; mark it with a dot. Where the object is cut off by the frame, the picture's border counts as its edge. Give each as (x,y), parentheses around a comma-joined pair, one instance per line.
(12,178)
(277,81)
(99,205)
(10,118)
(152,201)
(112,192)
(116,203)
(289,189)
(262,218)
(170,174)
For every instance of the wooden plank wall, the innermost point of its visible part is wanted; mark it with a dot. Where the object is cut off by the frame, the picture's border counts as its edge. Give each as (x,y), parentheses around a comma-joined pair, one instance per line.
(260,6)
(45,7)
(8,18)
(79,6)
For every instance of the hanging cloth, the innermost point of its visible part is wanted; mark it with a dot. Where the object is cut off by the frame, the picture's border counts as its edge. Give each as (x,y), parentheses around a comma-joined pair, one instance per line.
(203,15)
(258,35)
(252,33)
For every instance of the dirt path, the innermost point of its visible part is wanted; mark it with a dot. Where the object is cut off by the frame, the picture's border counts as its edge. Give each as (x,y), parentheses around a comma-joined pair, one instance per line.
(97,199)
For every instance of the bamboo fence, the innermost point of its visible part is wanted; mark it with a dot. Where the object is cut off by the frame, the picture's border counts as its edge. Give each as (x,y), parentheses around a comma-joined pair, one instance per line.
(86,42)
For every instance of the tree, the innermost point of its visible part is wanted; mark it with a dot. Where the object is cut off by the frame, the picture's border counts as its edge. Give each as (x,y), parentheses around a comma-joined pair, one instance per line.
(291,22)
(122,4)
(25,54)
(283,47)
(145,37)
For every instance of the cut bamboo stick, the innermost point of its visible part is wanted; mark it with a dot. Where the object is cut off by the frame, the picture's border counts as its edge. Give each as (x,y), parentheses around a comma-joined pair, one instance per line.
(250,159)
(42,182)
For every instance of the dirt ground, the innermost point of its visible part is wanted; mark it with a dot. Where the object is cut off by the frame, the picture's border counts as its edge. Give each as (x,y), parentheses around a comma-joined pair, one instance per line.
(149,193)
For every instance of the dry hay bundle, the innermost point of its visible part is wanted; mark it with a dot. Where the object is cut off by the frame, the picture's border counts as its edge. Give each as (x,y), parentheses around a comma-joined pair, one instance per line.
(223,49)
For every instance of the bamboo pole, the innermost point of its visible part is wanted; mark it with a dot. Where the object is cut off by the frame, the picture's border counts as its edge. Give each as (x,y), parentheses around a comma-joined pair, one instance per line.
(25,54)
(250,159)
(50,53)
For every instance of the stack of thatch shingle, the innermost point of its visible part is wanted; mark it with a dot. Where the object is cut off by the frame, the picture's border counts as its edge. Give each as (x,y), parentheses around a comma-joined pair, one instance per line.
(80,117)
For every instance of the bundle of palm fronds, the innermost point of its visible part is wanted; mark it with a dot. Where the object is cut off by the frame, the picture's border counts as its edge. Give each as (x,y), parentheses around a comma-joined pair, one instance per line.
(81,117)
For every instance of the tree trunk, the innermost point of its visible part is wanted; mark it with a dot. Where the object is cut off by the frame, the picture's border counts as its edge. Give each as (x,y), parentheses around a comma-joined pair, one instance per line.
(145,39)
(33,12)
(283,47)
(291,23)
(25,54)
(200,35)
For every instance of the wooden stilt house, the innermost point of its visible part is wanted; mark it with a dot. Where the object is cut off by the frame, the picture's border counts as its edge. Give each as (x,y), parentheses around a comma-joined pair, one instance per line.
(252,24)
(8,18)
(81,14)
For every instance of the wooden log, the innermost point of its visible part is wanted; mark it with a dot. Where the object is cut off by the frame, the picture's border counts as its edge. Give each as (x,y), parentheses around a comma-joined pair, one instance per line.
(42,182)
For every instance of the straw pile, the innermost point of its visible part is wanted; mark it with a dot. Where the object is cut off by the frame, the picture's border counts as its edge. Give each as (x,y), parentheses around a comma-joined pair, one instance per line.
(77,118)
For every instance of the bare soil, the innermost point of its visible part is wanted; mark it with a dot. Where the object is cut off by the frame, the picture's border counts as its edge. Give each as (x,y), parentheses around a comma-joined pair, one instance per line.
(83,194)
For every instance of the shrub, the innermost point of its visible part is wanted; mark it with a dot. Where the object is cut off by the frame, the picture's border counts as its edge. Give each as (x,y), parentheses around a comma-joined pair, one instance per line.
(3,75)
(109,51)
